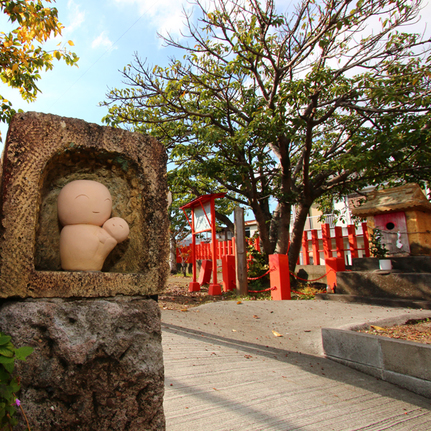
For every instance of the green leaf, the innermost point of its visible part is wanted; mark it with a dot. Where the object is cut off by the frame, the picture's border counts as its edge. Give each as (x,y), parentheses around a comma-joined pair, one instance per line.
(4,339)
(6,352)
(6,360)
(23,352)
(9,367)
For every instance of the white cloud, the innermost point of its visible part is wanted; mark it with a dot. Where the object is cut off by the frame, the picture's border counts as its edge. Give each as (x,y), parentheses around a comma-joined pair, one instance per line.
(165,15)
(103,41)
(75,17)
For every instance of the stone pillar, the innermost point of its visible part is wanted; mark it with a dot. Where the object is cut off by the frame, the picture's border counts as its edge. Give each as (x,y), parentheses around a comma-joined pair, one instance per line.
(97,362)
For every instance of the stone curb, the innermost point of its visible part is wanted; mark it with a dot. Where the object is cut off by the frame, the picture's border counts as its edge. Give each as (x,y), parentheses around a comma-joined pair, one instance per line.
(403,363)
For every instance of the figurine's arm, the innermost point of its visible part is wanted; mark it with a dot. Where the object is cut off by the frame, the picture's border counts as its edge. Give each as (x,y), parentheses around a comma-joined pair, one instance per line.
(103,235)
(107,243)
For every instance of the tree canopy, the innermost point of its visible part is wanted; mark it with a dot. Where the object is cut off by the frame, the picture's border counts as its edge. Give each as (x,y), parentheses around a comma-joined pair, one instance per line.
(296,107)
(22,56)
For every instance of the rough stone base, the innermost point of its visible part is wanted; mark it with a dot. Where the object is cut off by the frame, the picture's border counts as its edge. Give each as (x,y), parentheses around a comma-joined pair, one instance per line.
(385,284)
(97,363)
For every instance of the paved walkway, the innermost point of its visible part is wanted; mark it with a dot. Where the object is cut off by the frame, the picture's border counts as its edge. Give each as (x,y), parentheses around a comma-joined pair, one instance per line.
(226,370)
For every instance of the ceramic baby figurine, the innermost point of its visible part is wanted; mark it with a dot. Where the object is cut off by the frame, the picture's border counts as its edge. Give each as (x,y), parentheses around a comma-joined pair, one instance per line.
(88,234)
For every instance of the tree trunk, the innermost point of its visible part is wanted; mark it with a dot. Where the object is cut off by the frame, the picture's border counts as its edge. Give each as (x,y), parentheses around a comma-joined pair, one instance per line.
(172,254)
(280,225)
(280,229)
(297,232)
(226,220)
(263,219)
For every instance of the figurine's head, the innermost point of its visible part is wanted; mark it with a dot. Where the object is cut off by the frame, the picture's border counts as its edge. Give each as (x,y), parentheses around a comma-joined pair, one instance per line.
(117,228)
(84,202)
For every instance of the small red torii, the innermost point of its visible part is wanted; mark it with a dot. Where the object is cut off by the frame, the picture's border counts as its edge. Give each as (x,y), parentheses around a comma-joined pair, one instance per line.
(203,220)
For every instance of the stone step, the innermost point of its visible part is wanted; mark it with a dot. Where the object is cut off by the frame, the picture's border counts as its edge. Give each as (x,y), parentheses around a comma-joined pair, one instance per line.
(383,302)
(404,264)
(385,284)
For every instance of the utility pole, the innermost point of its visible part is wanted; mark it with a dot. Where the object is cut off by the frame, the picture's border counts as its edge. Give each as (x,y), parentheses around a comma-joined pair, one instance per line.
(241,253)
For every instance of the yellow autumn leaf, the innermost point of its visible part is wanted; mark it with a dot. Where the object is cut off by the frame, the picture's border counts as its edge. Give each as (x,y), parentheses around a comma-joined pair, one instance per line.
(378,328)
(276,334)
(70,43)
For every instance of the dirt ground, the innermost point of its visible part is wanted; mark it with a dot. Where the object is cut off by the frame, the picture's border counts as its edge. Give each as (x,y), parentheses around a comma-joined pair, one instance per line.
(413,330)
(177,297)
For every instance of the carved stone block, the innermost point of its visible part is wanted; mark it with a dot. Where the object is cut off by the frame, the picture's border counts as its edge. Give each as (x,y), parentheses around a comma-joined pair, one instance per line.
(45,152)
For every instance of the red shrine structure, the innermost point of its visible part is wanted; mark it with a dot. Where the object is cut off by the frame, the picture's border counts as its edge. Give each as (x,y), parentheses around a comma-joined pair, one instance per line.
(203,219)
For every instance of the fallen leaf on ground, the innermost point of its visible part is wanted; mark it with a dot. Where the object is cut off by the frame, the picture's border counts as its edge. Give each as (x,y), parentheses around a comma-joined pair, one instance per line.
(276,334)
(239,302)
(378,328)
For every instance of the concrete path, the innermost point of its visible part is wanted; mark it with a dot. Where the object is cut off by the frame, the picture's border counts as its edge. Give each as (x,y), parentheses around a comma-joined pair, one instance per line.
(226,370)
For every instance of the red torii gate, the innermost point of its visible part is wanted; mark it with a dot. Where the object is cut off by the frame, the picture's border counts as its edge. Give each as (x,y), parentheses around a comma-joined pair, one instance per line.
(203,220)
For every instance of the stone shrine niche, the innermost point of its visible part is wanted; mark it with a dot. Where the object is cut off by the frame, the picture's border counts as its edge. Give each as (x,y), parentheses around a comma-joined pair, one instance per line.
(43,153)
(120,176)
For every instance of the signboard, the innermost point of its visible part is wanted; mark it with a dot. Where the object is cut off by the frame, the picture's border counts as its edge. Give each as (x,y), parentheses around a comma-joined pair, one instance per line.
(203,218)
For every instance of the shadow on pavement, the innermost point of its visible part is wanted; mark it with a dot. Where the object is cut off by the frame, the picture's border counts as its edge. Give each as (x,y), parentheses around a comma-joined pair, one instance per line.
(311,364)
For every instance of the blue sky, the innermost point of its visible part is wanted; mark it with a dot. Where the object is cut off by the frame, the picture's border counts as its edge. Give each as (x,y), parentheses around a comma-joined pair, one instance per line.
(106,35)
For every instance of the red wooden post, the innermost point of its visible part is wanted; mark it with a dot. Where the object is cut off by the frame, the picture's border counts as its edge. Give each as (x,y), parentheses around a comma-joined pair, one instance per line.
(205,272)
(233,247)
(279,276)
(214,288)
(353,244)
(305,251)
(224,253)
(315,247)
(366,239)
(229,275)
(333,265)
(339,242)
(326,239)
